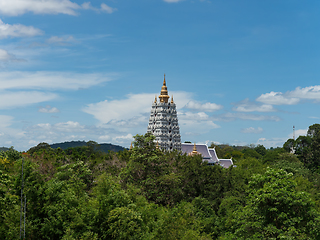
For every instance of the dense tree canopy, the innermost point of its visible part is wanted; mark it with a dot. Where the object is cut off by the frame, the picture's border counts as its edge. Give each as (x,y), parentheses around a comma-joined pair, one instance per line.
(146,193)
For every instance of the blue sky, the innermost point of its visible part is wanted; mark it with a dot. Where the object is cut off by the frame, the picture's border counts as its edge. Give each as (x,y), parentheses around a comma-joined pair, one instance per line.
(241,72)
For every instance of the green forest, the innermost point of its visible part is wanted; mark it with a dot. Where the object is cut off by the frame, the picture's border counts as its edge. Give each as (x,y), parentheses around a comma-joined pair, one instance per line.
(145,193)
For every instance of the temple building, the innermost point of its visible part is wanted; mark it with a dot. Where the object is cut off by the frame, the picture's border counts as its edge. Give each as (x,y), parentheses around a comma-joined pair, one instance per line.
(163,121)
(208,154)
(163,124)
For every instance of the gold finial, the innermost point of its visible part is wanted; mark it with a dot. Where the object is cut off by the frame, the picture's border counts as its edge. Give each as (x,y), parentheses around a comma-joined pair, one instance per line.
(164,97)
(172,99)
(157,146)
(131,147)
(155,99)
(194,152)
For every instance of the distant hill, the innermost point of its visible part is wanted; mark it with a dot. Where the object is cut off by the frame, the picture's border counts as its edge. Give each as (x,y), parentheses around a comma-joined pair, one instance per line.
(104,147)
(4,149)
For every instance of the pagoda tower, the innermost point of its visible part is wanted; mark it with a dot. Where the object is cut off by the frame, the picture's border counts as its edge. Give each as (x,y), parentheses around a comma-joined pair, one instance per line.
(163,122)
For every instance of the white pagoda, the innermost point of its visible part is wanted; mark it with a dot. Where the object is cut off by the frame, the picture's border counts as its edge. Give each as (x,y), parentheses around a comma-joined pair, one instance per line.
(163,122)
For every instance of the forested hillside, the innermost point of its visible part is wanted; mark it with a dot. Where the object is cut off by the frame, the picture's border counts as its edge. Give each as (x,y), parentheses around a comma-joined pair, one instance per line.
(4,149)
(145,193)
(104,147)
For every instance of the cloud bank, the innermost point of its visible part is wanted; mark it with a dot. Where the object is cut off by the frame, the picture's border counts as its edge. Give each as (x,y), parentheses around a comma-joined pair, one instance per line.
(291,97)
(17,30)
(252,130)
(19,7)
(207,107)
(50,80)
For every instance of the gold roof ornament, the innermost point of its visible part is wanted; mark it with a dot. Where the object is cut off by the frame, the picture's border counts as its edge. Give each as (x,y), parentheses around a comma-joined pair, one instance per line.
(172,99)
(157,146)
(131,147)
(155,99)
(194,152)
(164,97)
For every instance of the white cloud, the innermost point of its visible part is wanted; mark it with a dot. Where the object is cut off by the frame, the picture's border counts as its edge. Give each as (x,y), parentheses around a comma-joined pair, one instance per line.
(48,109)
(5,121)
(103,7)
(17,30)
(107,9)
(194,116)
(50,80)
(19,7)
(68,131)
(193,126)
(5,56)
(87,5)
(69,126)
(133,106)
(298,133)
(21,98)
(195,123)
(60,40)
(252,130)
(277,98)
(245,116)
(9,135)
(59,132)
(247,106)
(291,97)
(207,107)
(105,138)
(272,142)
(312,92)
(117,110)
(131,114)
(123,139)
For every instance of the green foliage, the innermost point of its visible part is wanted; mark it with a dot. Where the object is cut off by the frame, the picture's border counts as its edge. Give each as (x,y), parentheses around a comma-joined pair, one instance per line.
(289,145)
(8,158)
(307,148)
(261,150)
(145,193)
(9,202)
(149,168)
(251,153)
(125,223)
(42,145)
(181,222)
(275,210)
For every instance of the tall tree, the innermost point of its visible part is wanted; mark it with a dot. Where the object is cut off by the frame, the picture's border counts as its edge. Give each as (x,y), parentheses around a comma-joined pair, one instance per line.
(275,210)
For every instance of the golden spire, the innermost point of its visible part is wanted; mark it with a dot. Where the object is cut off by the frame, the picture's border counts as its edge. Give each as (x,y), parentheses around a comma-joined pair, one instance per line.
(131,147)
(155,99)
(157,146)
(172,99)
(194,152)
(164,92)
